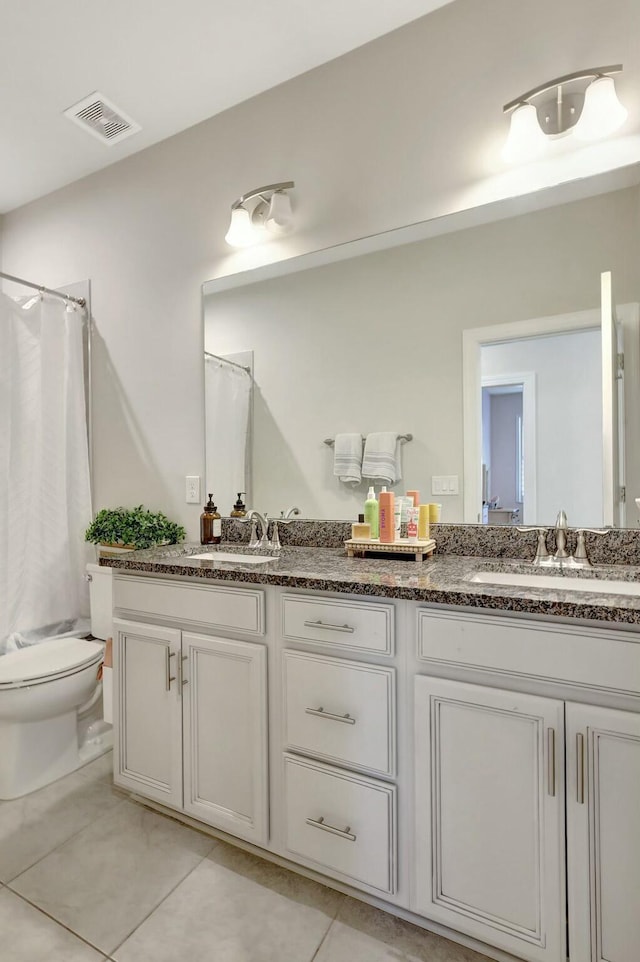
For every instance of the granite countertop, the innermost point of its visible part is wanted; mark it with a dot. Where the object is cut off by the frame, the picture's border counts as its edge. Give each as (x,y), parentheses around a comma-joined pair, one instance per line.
(443,579)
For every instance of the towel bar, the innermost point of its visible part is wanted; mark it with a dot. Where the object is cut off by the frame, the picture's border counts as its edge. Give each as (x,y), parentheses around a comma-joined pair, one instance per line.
(401,437)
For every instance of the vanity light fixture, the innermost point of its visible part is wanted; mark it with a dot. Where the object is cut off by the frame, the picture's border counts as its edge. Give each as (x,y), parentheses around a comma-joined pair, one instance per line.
(585,113)
(263,209)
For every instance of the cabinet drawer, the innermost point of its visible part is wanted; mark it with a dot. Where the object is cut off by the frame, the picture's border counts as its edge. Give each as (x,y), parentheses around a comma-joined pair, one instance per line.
(351,625)
(236,609)
(579,655)
(344,824)
(342,711)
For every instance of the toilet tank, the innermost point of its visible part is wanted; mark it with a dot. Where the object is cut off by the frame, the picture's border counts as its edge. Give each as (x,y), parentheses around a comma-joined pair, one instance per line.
(101,598)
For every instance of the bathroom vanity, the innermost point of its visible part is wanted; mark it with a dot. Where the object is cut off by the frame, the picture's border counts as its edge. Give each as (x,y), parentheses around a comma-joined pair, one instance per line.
(463,754)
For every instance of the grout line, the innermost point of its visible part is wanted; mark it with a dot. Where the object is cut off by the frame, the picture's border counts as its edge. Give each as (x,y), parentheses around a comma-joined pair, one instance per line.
(329,927)
(155,908)
(55,848)
(62,925)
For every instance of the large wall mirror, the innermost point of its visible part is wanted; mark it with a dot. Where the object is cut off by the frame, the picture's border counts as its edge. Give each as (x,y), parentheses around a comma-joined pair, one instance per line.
(374,342)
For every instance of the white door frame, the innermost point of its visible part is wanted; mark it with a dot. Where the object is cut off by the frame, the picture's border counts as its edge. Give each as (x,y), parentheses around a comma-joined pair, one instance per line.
(528,381)
(472,341)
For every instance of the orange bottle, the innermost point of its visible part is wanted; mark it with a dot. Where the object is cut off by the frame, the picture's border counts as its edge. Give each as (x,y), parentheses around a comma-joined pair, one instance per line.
(387,521)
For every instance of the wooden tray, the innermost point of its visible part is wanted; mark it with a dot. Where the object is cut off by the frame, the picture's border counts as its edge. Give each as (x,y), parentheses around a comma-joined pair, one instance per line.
(357,547)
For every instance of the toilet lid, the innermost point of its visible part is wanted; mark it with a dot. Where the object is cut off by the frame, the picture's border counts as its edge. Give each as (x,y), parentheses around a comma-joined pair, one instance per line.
(49,659)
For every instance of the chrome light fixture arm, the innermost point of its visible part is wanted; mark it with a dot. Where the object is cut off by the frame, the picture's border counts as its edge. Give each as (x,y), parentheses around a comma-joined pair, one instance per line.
(592,73)
(260,192)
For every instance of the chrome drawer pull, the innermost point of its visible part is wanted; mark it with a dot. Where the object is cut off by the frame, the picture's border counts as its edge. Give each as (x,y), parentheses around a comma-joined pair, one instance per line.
(321,624)
(321,713)
(168,676)
(320,823)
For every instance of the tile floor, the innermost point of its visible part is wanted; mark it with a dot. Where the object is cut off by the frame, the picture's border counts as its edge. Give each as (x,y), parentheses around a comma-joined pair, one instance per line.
(86,875)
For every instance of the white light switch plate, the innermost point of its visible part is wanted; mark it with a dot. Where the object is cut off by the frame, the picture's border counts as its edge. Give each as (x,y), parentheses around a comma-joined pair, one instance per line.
(444,484)
(192,493)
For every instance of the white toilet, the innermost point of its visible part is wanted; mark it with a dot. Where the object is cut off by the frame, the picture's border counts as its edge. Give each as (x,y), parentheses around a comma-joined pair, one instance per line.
(49,700)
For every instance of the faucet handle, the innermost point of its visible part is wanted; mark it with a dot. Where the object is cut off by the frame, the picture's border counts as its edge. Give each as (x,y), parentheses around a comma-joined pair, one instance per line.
(561,520)
(542,555)
(580,554)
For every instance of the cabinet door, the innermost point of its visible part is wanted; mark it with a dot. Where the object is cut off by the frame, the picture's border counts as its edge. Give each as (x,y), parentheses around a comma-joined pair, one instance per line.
(148,711)
(489,843)
(603,834)
(225,734)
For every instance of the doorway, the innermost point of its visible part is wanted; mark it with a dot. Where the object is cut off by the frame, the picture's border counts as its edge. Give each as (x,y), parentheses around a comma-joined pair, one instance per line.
(508,448)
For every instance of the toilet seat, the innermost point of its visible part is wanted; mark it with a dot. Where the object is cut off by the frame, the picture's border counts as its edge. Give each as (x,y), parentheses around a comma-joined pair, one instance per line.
(48,661)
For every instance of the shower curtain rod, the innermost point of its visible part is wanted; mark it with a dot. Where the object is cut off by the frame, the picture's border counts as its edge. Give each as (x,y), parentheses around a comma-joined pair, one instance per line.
(225,361)
(80,301)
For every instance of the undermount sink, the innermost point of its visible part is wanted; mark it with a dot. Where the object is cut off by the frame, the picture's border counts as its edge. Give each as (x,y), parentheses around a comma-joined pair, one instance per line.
(228,556)
(556,582)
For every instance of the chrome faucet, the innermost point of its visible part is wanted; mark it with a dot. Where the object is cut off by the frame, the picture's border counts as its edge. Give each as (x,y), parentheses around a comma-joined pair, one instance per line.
(256,518)
(285,518)
(561,538)
(562,558)
(542,556)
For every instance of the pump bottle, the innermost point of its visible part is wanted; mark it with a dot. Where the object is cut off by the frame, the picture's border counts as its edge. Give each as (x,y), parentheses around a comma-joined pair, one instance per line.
(371,512)
(210,524)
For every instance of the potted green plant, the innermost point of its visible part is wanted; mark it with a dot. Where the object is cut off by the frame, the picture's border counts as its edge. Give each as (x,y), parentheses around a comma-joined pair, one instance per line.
(125,529)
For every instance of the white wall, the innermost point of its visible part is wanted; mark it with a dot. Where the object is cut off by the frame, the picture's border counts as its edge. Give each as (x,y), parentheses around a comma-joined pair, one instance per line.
(568,419)
(375,343)
(405,128)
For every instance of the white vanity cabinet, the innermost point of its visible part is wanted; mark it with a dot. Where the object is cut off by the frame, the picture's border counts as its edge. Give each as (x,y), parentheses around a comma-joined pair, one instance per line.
(339,707)
(190,708)
(496,778)
(603,833)
(479,773)
(490,815)
(148,711)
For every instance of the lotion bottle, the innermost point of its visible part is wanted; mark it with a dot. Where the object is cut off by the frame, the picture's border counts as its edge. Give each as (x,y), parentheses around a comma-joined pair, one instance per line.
(371,510)
(210,524)
(387,520)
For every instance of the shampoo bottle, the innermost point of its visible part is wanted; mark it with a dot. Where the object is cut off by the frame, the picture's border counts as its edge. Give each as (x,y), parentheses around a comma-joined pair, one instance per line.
(387,521)
(371,512)
(210,524)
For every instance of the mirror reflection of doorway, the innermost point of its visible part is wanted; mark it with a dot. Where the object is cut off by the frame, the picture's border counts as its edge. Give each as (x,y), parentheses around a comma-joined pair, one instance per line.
(503,451)
(542,429)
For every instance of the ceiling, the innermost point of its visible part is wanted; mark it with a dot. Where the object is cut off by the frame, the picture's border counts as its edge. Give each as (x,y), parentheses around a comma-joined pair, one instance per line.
(167,64)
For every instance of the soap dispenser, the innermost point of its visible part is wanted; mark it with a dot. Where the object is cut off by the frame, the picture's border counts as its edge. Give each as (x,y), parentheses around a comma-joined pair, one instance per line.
(210,524)
(239,509)
(371,512)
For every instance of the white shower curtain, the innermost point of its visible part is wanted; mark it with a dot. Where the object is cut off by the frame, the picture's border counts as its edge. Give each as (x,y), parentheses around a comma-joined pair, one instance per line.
(227,390)
(45,494)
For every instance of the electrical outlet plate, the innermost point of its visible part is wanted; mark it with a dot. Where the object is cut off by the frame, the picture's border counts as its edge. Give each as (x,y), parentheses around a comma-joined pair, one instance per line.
(192,492)
(445,484)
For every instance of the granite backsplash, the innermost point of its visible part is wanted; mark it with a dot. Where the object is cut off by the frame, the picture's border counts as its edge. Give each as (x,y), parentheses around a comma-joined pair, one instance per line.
(617,546)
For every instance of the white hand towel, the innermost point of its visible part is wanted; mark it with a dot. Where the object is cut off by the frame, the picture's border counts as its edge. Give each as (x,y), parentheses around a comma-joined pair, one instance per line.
(382,458)
(347,458)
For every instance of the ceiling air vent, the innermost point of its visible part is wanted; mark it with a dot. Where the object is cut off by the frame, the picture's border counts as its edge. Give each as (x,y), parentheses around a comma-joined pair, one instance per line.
(100,117)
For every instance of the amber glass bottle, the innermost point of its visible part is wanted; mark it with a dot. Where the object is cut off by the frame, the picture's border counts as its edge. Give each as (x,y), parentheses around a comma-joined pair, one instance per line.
(210,524)
(239,509)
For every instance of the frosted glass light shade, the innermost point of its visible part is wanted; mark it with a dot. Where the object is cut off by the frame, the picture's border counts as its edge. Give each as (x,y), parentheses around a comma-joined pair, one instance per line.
(280,216)
(526,141)
(241,232)
(602,112)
